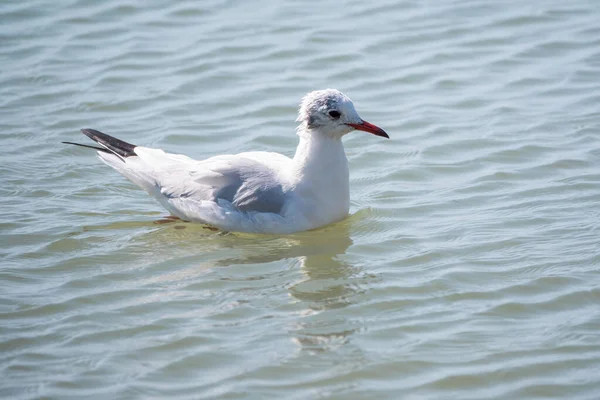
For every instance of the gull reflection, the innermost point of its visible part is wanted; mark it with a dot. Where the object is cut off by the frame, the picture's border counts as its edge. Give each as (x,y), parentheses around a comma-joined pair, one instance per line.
(329,281)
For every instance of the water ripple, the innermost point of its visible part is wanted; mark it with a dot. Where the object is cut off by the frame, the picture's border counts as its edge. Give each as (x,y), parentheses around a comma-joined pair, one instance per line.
(468,268)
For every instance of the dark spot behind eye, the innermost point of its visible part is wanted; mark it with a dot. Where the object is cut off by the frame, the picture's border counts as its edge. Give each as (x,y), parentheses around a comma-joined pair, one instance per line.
(334,114)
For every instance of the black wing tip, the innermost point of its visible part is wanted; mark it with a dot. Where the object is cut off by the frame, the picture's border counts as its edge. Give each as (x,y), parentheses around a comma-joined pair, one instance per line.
(87,146)
(91,133)
(114,145)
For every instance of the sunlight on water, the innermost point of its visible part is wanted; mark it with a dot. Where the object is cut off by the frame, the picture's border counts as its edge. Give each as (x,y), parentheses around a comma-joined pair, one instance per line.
(469,265)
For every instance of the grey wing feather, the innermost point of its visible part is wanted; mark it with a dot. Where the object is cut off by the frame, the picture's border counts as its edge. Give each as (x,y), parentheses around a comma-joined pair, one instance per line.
(254,194)
(249,181)
(247,184)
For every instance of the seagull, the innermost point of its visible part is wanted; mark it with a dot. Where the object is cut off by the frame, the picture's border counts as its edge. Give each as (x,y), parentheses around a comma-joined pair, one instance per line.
(255,192)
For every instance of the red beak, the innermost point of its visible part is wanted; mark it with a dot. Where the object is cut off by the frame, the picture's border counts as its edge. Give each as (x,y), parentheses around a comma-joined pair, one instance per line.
(368,127)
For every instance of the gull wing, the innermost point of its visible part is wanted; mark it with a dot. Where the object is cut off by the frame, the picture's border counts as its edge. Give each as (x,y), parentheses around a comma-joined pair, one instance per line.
(245,181)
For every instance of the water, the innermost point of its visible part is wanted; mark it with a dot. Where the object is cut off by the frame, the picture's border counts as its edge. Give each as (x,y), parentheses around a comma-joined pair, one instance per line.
(468,268)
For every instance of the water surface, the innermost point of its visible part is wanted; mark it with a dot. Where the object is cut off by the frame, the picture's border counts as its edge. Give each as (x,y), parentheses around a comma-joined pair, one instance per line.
(469,267)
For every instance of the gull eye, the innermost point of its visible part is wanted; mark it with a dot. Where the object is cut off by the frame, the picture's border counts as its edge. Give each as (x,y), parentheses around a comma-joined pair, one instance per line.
(334,114)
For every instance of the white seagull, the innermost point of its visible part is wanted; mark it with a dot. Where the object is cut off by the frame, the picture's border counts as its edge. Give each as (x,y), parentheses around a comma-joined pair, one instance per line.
(259,192)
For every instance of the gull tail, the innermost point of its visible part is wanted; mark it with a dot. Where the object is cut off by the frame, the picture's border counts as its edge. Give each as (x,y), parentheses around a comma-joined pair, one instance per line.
(108,144)
(121,156)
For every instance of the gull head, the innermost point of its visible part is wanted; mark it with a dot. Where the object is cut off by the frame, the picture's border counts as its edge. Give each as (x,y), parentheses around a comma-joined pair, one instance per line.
(331,113)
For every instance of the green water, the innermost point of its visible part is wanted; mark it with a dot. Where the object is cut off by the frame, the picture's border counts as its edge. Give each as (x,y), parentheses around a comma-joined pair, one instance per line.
(469,268)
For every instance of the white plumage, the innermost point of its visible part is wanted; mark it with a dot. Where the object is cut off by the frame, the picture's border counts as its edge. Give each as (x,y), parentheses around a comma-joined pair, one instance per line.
(256,191)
